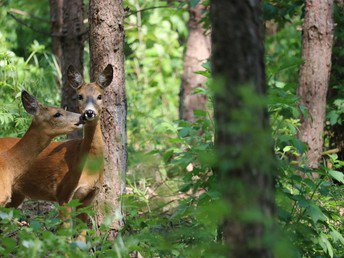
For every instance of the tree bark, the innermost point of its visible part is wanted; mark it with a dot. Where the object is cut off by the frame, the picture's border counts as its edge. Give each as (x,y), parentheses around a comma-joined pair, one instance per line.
(197,52)
(243,140)
(56,21)
(317,40)
(72,52)
(107,47)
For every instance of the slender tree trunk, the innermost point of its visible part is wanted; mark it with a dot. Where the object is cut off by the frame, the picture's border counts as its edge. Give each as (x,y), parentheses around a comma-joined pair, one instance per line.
(243,139)
(56,21)
(317,42)
(72,52)
(197,52)
(107,47)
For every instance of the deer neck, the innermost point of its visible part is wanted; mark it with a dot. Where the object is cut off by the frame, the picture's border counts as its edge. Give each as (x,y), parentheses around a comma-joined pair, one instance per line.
(93,139)
(22,155)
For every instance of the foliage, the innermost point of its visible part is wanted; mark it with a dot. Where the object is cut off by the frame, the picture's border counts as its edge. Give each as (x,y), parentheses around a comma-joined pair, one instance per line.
(172,206)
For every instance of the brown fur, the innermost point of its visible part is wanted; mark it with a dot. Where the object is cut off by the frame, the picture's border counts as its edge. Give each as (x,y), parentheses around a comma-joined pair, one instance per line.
(19,157)
(65,171)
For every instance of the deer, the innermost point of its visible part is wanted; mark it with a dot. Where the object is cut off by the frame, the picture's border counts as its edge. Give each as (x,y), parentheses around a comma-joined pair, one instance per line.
(47,123)
(72,169)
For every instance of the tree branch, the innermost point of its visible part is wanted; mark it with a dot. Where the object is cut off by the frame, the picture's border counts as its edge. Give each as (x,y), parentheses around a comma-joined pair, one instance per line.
(23,13)
(147,9)
(20,21)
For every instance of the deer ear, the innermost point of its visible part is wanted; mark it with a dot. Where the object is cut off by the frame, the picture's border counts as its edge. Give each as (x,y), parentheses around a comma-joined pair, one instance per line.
(30,104)
(105,78)
(74,77)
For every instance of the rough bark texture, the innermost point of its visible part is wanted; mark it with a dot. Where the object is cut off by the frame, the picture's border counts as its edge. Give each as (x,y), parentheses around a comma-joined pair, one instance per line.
(107,47)
(197,52)
(72,52)
(56,21)
(317,40)
(242,137)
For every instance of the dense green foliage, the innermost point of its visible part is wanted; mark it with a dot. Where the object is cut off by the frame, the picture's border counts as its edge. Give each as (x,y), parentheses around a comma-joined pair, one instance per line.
(172,207)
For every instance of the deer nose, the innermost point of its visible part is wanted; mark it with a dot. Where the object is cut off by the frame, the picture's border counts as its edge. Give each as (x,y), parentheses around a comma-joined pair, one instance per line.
(89,114)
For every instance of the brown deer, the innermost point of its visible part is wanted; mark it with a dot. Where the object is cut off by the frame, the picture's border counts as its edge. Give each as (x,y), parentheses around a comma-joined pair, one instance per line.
(47,123)
(71,169)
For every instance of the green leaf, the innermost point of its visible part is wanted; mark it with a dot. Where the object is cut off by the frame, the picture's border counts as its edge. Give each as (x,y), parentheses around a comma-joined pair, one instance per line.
(193,3)
(199,112)
(184,132)
(326,245)
(299,145)
(167,155)
(339,176)
(337,236)
(10,243)
(286,148)
(316,213)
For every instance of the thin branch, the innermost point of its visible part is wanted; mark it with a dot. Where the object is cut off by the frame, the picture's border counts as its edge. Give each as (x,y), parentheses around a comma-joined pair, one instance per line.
(23,13)
(20,21)
(330,152)
(147,9)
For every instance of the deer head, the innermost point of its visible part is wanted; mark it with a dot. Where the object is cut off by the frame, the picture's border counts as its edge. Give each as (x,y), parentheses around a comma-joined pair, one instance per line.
(90,94)
(51,121)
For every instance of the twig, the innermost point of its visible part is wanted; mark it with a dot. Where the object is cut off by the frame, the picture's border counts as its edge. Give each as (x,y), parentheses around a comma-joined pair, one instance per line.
(20,21)
(330,152)
(147,9)
(23,13)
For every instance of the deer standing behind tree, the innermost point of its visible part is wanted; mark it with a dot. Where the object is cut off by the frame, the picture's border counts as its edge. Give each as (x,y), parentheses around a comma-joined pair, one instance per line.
(72,169)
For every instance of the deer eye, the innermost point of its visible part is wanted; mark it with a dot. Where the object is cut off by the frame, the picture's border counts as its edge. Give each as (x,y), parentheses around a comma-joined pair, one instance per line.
(58,114)
(99,97)
(80,97)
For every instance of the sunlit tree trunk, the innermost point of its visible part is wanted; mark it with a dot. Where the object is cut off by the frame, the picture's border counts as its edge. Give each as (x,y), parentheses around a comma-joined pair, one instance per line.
(317,42)
(242,139)
(197,52)
(72,52)
(107,47)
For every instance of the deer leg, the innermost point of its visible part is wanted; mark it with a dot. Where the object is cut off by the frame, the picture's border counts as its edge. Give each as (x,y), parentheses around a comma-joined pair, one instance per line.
(83,216)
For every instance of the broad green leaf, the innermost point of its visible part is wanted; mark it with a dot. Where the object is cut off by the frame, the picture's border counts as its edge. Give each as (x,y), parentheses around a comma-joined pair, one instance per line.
(193,3)
(337,236)
(339,176)
(316,214)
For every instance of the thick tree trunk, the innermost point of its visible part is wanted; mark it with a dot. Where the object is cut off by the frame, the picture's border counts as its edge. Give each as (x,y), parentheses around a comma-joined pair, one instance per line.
(107,47)
(72,52)
(56,21)
(317,42)
(243,139)
(197,52)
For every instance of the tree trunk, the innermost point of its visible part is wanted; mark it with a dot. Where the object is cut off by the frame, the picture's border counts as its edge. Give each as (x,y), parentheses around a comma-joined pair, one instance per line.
(317,42)
(56,21)
(72,52)
(197,52)
(243,140)
(107,47)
